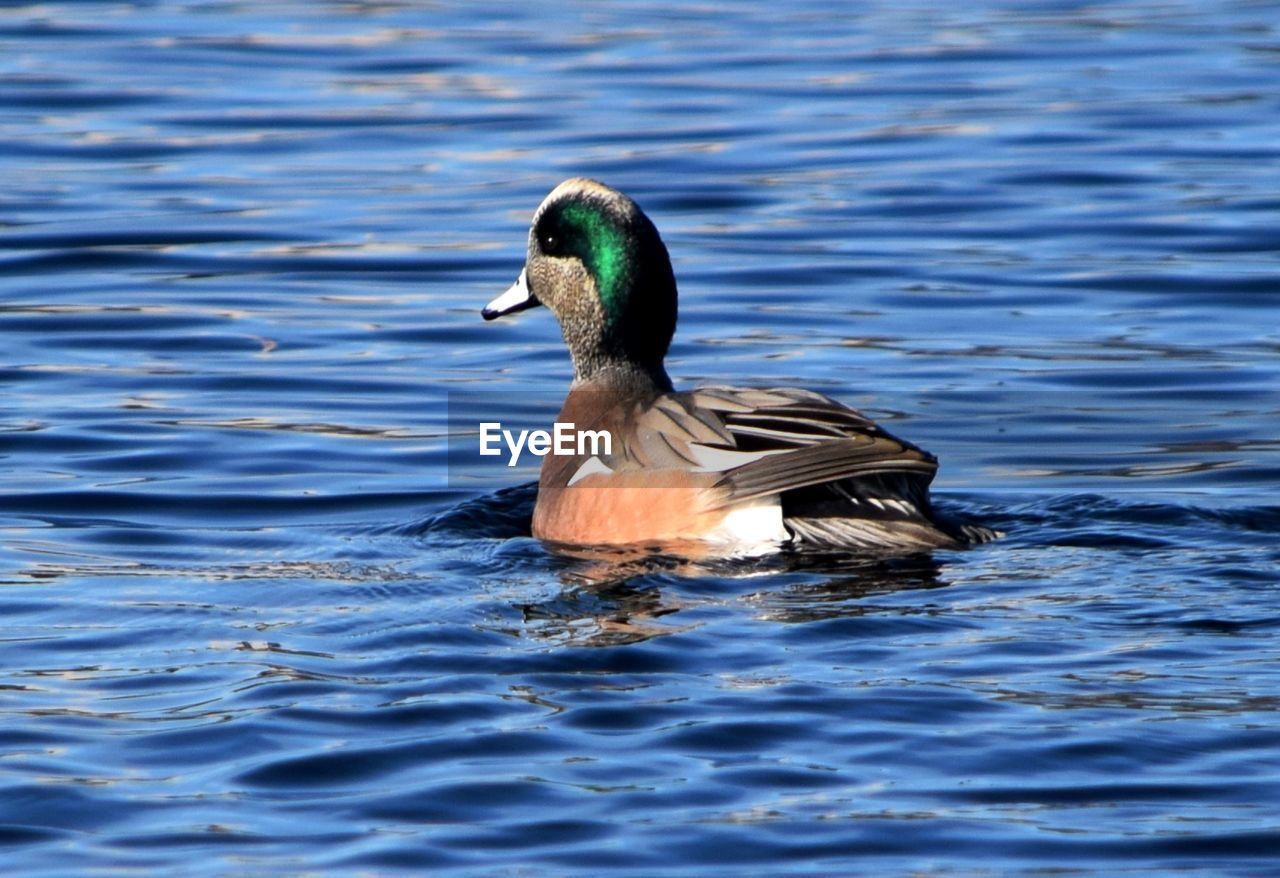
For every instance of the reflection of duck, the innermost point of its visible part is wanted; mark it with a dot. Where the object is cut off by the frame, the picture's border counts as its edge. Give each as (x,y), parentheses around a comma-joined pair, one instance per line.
(844,585)
(633,600)
(746,469)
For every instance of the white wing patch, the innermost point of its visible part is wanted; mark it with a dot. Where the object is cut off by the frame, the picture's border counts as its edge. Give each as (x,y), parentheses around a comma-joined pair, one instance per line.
(719,460)
(592,466)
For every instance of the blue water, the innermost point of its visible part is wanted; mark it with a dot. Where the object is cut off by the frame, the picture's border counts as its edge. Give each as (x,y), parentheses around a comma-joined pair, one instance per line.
(255,624)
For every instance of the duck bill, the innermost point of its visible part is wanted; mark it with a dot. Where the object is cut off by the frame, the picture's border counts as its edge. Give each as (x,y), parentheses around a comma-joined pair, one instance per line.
(516,298)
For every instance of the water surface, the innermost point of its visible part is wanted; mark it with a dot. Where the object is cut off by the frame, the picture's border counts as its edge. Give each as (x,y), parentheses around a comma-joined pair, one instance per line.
(254,624)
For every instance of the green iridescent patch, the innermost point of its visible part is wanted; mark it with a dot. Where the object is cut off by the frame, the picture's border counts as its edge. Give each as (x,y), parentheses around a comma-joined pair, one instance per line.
(606,253)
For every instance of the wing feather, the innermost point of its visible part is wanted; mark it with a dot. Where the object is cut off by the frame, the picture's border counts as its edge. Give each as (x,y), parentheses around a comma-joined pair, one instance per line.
(818,464)
(766,442)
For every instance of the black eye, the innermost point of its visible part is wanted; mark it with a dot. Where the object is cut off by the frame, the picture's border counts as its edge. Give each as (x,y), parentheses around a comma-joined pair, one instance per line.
(550,243)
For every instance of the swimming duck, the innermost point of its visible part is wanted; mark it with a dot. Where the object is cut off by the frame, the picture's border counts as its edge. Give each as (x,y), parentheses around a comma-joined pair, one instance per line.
(748,468)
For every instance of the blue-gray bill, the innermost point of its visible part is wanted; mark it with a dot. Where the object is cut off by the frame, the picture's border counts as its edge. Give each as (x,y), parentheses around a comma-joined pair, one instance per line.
(516,298)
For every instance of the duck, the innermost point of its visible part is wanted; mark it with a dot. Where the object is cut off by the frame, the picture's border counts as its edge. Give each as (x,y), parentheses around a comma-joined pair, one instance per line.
(738,468)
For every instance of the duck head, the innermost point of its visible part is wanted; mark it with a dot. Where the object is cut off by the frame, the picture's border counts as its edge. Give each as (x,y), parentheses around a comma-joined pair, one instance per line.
(597,262)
